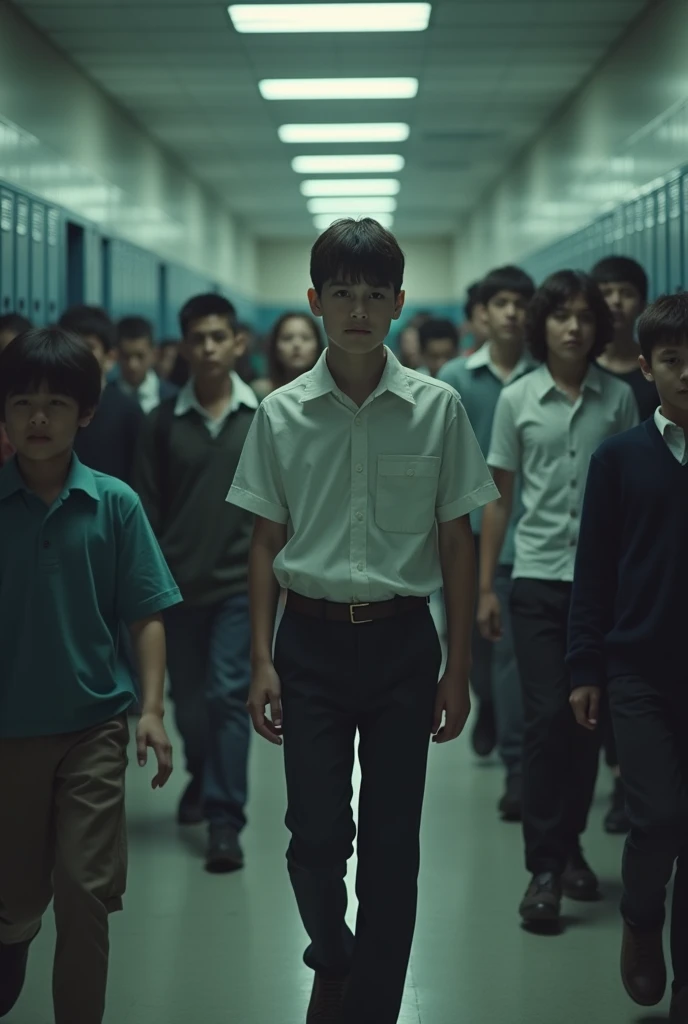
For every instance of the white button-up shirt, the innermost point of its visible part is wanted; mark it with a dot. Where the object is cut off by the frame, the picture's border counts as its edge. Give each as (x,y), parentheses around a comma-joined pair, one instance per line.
(147,394)
(674,436)
(242,394)
(361,489)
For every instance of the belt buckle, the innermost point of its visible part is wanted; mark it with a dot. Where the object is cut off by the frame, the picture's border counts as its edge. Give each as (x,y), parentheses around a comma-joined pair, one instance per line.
(352,609)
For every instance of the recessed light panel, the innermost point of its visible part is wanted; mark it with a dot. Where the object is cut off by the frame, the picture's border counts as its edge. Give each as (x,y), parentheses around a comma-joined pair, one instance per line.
(382,163)
(338,88)
(314,133)
(350,17)
(353,205)
(350,187)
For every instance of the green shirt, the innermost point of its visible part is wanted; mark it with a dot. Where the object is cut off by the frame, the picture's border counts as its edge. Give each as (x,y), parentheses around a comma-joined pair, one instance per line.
(70,575)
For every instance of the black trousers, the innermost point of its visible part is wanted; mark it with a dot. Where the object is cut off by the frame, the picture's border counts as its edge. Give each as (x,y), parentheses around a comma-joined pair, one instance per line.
(379,679)
(560,758)
(651,728)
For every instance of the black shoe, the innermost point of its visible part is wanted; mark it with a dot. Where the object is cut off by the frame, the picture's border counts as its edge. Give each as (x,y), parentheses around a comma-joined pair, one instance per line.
(224,852)
(13,961)
(326,1001)
(579,881)
(484,736)
(511,804)
(542,901)
(616,822)
(679,1007)
(190,811)
(643,968)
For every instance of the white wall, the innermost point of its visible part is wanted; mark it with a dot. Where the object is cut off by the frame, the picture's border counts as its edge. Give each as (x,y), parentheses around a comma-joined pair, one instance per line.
(282,272)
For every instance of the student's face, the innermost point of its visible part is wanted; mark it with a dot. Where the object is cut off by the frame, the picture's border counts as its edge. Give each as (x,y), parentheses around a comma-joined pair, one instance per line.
(99,351)
(571,331)
(479,326)
(669,371)
(438,352)
(505,318)
(42,425)
(356,317)
(166,358)
(626,304)
(211,348)
(136,357)
(297,346)
(6,337)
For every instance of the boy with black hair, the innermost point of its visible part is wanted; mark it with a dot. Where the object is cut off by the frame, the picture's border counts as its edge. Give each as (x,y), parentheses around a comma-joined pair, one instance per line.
(479,379)
(188,453)
(108,443)
(77,558)
(439,342)
(362,475)
(546,427)
(627,637)
(136,358)
(475,320)
(11,326)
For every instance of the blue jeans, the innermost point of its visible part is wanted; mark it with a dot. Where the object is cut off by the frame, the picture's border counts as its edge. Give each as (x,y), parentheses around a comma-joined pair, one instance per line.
(208,660)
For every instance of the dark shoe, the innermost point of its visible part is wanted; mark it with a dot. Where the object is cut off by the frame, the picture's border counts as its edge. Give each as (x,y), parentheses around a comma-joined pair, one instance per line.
(579,881)
(616,822)
(511,804)
(13,961)
(484,737)
(326,1001)
(643,970)
(679,1007)
(224,852)
(190,811)
(542,901)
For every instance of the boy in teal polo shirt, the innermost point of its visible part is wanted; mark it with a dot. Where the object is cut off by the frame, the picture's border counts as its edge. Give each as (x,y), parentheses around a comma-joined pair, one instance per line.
(77,558)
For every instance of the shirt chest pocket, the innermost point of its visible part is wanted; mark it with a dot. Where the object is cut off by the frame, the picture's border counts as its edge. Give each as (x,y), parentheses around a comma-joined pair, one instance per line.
(406,493)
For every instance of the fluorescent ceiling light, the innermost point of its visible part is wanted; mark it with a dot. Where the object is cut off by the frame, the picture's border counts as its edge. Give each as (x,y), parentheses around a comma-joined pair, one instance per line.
(351,187)
(338,88)
(323,221)
(350,17)
(305,133)
(383,163)
(355,205)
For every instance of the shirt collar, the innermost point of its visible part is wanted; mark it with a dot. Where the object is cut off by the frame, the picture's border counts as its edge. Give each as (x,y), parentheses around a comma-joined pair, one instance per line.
(395,378)
(242,394)
(663,424)
(482,359)
(79,478)
(544,382)
(147,389)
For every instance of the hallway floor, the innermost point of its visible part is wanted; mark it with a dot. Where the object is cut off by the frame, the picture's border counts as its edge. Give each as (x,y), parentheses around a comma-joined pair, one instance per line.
(227,949)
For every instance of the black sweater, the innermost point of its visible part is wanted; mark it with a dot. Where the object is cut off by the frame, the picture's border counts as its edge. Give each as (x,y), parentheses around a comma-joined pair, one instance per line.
(108,443)
(629,609)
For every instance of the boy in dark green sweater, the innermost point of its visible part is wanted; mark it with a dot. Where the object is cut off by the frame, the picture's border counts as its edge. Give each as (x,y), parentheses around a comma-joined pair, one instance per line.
(187,456)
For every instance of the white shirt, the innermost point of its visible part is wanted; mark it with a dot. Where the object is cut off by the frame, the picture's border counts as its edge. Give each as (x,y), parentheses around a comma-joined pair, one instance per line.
(674,436)
(242,394)
(362,489)
(148,394)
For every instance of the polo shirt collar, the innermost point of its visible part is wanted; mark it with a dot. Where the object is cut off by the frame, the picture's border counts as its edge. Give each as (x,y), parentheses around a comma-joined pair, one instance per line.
(319,381)
(242,394)
(79,478)
(482,360)
(544,382)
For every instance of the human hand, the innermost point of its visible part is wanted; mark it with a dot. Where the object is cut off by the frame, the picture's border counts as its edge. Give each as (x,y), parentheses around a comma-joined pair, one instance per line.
(454,702)
(585,701)
(151,732)
(489,616)
(265,690)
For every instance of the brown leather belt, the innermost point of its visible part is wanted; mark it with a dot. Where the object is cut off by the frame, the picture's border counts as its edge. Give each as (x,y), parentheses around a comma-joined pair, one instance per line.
(357,614)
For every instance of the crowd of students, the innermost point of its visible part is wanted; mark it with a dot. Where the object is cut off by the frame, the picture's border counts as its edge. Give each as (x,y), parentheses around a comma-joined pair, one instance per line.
(156,501)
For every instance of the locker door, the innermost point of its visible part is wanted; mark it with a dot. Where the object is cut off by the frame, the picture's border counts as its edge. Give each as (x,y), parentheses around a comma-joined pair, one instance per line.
(21,257)
(662,283)
(648,249)
(629,230)
(639,236)
(93,268)
(608,240)
(54,255)
(6,251)
(675,235)
(38,261)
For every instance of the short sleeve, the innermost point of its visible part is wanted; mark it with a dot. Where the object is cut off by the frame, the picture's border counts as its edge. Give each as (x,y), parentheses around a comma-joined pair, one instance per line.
(465,481)
(145,585)
(257,485)
(505,445)
(628,410)
(450,374)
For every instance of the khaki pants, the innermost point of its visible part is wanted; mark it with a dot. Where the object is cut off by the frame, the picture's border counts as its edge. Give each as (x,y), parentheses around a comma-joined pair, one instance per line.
(63,834)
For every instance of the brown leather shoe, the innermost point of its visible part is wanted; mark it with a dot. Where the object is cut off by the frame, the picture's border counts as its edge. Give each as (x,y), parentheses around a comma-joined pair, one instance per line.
(643,970)
(579,881)
(326,1001)
(542,901)
(679,1007)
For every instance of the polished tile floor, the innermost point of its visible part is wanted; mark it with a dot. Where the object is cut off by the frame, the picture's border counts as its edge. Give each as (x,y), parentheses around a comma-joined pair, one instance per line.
(191,947)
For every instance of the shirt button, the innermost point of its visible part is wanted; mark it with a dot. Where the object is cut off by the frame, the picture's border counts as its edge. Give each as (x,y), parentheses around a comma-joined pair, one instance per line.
(360,566)
(359,468)
(359,516)
(410,472)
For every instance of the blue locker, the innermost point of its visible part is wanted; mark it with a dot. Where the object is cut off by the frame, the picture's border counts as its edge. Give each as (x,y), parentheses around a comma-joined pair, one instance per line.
(662,242)
(54,255)
(608,226)
(684,232)
(648,248)
(596,243)
(639,236)
(6,251)
(21,256)
(675,235)
(38,264)
(93,267)
(618,240)
(629,230)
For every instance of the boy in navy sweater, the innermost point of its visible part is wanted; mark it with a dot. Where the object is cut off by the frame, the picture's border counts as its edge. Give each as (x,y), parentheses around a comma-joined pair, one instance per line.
(627,635)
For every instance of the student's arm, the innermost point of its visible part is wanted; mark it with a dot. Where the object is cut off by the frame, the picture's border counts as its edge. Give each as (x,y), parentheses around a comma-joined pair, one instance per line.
(145,476)
(148,637)
(594,591)
(268,540)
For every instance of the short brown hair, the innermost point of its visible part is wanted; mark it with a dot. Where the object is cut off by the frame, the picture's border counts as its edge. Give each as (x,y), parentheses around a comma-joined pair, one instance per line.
(357,250)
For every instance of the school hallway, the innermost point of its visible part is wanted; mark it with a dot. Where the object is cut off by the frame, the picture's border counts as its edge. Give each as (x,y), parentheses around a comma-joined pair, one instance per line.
(227,949)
